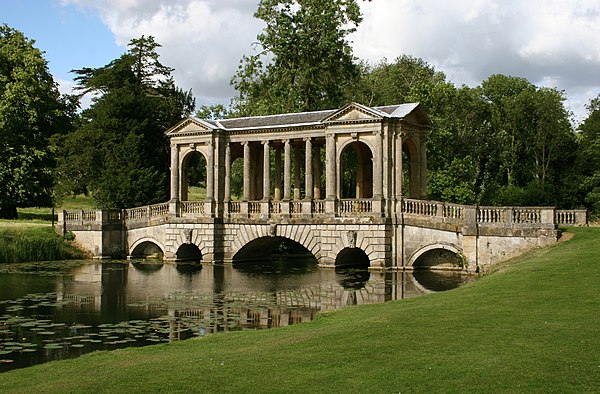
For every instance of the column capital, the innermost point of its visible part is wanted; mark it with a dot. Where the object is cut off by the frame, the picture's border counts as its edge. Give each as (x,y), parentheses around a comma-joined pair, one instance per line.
(307,139)
(266,142)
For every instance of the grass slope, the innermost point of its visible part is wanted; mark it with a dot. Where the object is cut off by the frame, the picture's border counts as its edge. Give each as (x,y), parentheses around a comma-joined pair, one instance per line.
(533,326)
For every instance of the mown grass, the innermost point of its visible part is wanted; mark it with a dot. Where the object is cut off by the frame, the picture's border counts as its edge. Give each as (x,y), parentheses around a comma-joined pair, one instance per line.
(532,326)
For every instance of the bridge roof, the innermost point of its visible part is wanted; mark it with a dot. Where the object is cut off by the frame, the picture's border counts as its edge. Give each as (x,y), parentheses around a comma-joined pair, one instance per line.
(313,118)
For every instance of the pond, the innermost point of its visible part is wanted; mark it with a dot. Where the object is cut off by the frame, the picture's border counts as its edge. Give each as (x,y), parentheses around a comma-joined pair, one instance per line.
(58,310)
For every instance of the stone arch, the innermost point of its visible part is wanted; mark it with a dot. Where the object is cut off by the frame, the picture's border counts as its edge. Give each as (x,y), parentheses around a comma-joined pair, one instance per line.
(137,248)
(190,155)
(188,252)
(351,239)
(190,236)
(302,234)
(360,173)
(437,246)
(352,257)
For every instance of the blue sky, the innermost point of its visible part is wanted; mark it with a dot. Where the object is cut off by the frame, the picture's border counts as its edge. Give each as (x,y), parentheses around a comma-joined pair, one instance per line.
(552,43)
(70,37)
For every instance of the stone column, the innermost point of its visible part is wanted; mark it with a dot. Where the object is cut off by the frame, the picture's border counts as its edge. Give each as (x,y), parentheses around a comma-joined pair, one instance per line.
(330,175)
(210,172)
(174,173)
(277,186)
(296,172)
(227,172)
(399,166)
(287,169)
(266,172)
(423,167)
(330,171)
(317,173)
(308,171)
(378,167)
(246,171)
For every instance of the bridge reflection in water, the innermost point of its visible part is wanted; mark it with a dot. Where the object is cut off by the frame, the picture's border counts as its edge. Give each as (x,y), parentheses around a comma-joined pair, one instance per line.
(244,295)
(61,310)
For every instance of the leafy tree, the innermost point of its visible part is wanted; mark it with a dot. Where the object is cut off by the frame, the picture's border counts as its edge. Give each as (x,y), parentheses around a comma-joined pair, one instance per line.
(31,111)
(120,152)
(588,159)
(304,61)
(536,142)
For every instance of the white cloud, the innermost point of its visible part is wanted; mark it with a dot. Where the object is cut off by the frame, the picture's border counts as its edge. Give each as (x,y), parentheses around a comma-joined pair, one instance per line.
(202,39)
(546,41)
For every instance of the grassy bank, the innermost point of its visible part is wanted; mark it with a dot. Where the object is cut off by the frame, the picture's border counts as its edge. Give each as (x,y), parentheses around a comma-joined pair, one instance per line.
(532,326)
(32,237)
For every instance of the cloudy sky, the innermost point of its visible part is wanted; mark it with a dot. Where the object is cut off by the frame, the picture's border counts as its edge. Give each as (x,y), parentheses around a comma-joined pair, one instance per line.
(552,43)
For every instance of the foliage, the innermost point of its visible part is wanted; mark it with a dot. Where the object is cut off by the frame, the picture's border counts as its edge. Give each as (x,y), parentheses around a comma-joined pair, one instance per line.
(34,244)
(504,142)
(119,152)
(588,158)
(31,111)
(304,61)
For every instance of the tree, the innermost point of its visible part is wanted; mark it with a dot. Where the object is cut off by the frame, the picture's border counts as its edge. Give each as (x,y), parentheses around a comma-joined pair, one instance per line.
(120,152)
(536,142)
(31,111)
(304,60)
(588,159)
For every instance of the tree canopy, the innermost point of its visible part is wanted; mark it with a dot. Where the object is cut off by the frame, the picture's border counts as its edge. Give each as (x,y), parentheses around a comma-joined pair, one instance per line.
(31,111)
(303,62)
(119,152)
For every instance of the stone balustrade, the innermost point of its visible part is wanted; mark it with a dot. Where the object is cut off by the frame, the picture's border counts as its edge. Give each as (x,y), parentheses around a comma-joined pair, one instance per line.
(430,211)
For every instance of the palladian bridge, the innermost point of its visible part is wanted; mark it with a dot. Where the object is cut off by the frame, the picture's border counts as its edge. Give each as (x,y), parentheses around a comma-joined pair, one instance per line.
(348,185)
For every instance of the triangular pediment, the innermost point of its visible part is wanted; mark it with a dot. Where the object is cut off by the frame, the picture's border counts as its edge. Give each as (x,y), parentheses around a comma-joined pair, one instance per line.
(354,112)
(190,125)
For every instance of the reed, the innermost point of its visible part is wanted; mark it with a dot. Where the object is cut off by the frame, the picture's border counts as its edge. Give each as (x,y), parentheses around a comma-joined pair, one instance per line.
(23,244)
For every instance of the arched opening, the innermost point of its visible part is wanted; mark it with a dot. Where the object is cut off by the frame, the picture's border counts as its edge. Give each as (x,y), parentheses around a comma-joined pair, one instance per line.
(410,170)
(439,269)
(352,268)
(147,250)
(438,258)
(352,257)
(193,185)
(276,256)
(236,172)
(356,171)
(188,252)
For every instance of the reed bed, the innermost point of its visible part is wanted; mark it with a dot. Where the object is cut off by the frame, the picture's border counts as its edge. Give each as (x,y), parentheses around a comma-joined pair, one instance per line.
(24,244)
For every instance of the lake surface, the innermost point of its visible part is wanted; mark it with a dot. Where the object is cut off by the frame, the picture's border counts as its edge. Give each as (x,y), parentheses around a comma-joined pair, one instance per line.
(57,310)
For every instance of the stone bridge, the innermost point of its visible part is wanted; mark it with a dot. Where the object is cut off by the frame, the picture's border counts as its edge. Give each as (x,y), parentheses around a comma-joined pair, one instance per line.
(361,199)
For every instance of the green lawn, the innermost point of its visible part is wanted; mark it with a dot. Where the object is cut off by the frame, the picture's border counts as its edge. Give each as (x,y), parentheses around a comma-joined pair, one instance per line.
(532,326)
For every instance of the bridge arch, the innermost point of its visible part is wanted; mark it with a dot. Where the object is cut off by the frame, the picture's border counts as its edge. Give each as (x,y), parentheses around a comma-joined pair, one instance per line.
(355,169)
(439,248)
(352,257)
(301,234)
(188,252)
(145,247)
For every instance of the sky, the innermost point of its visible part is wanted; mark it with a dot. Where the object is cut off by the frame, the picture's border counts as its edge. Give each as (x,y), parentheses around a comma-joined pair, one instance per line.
(552,43)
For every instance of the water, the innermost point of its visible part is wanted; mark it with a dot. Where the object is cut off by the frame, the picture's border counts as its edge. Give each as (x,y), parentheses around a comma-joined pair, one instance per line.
(60,310)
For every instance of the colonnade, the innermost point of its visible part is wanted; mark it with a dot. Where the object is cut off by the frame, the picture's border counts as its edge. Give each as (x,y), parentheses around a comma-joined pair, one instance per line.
(378,145)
